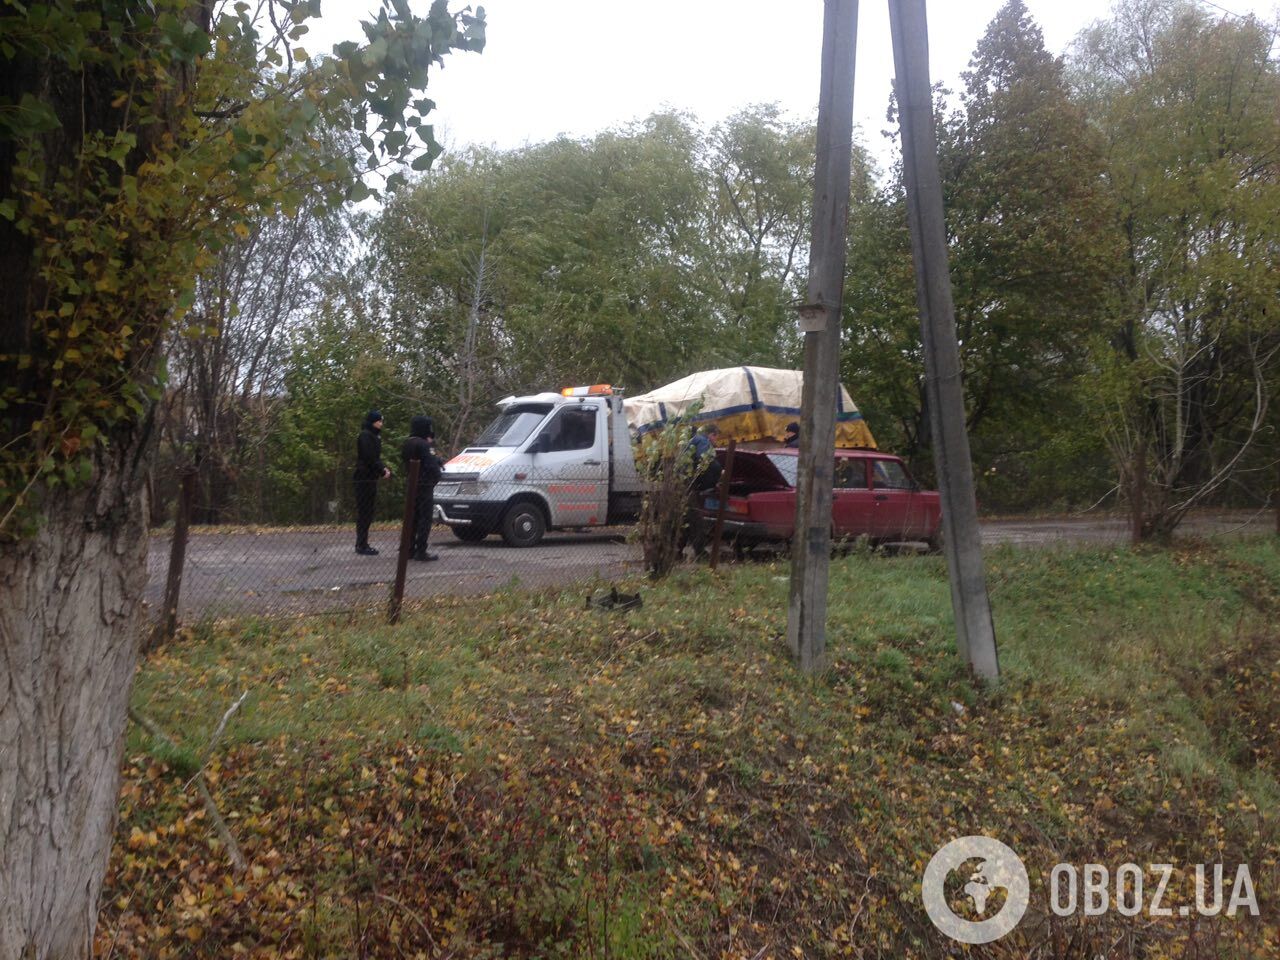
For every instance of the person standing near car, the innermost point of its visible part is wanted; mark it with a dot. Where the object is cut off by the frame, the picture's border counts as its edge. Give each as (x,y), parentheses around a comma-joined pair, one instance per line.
(706,469)
(369,470)
(421,447)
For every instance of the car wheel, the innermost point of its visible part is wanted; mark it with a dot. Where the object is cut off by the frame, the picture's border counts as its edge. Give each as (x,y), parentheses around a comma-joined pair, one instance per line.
(470,533)
(523,525)
(934,543)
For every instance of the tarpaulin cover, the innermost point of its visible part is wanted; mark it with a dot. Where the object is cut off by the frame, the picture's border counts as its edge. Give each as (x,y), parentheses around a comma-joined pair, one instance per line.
(747,403)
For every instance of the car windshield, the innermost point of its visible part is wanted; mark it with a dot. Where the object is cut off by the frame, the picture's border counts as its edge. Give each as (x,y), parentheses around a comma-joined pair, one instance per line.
(788,465)
(513,426)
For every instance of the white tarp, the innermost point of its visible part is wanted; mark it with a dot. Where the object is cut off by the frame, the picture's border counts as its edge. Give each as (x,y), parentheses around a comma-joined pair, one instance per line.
(747,403)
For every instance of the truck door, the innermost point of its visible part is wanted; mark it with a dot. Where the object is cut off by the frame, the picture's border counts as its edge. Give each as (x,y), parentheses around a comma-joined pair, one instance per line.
(570,463)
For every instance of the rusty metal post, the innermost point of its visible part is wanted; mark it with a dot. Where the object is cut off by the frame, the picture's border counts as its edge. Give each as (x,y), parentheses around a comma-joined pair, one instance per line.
(723,493)
(1138,489)
(168,625)
(406,541)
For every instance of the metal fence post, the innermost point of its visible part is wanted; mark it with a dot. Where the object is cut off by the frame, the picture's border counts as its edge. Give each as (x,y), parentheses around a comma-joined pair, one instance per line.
(1138,490)
(723,493)
(168,625)
(406,540)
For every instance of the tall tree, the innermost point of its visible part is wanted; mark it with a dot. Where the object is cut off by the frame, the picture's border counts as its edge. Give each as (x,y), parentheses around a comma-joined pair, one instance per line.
(634,256)
(342,361)
(569,261)
(1187,104)
(613,227)
(228,358)
(135,137)
(761,167)
(1031,247)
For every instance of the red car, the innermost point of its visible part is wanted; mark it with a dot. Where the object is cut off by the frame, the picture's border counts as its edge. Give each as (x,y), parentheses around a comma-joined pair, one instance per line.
(874,497)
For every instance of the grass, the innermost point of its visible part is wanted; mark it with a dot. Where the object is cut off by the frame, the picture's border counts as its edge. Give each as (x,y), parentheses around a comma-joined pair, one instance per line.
(522,776)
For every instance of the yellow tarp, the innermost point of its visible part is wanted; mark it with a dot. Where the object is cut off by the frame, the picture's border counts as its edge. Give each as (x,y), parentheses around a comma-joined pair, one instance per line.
(747,403)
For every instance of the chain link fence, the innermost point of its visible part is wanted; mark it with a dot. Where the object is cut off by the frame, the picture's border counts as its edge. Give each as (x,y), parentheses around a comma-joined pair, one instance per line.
(231,571)
(521,531)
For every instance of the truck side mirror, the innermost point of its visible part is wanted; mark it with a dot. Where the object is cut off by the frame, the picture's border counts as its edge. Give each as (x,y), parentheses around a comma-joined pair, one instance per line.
(540,444)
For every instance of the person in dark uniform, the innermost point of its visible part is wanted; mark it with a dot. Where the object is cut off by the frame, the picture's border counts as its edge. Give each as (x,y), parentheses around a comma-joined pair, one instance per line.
(421,447)
(369,470)
(792,439)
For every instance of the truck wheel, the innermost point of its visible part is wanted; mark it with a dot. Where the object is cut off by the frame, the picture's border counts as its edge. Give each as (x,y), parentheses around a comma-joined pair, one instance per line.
(470,533)
(523,525)
(934,543)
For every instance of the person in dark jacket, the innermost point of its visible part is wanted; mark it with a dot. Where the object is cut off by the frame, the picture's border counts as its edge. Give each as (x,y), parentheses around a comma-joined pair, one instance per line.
(421,447)
(706,469)
(369,470)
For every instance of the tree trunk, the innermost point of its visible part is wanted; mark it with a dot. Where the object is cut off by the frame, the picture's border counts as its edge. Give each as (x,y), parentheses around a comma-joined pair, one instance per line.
(70,617)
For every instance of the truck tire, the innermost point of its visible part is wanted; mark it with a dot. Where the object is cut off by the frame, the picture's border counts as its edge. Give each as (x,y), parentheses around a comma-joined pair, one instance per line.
(934,543)
(523,525)
(469,533)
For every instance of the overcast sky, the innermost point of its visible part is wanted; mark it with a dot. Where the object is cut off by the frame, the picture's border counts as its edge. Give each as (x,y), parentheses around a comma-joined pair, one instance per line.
(580,66)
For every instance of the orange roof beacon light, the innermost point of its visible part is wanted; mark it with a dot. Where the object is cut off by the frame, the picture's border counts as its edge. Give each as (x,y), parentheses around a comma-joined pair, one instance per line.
(595,390)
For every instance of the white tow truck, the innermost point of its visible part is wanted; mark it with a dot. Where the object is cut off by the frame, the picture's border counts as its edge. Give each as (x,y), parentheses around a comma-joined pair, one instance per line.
(548,461)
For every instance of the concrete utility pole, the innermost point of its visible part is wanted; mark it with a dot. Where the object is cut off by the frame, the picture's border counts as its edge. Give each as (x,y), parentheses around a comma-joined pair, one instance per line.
(820,322)
(944,394)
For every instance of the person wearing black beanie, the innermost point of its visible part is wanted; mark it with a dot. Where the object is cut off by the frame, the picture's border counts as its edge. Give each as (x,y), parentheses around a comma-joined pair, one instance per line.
(421,447)
(369,470)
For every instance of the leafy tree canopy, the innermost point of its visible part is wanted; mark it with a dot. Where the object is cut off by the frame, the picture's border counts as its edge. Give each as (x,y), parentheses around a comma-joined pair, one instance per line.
(1032,248)
(136,139)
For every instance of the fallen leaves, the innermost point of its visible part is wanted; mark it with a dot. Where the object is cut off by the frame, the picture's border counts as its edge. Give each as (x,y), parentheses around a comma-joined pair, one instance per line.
(572,792)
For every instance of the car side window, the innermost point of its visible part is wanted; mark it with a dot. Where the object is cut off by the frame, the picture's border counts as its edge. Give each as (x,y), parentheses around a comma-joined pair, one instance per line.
(850,474)
(573,428)
(889,475)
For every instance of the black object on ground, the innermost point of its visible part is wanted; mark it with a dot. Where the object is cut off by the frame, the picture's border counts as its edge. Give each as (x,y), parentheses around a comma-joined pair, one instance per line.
(613,600)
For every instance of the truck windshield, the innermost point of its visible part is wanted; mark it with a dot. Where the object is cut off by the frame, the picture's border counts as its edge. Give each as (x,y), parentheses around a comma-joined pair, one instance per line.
(513,425)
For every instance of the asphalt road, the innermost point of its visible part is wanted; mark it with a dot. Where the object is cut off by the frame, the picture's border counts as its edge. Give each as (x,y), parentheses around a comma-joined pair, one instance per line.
(314,570)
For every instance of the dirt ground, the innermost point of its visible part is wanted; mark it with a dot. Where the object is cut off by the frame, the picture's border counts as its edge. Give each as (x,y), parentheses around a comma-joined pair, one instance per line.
(265,571)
